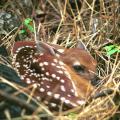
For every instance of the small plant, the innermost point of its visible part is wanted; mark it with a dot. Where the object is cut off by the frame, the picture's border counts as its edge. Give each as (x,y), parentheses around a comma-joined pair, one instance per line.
(111,49)
(27,22)
(29,27)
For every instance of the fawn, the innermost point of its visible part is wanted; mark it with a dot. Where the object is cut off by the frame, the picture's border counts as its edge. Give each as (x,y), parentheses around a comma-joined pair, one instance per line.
(59,75)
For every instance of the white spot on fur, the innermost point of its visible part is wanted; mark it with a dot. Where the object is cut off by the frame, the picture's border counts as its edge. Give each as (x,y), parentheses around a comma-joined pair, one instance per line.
(49,93)
(62,81)
(42,89)
(42,68)
(40,64)
(62,88)
(53,64)
(72,90)
(60,71)
(28,80)
(81,102)
(56,96)
(48,86)
(34,60)
(58,78)
(45,63)
(69,95)
(61,63)
(55,60)
(42,75)
(47,73)
(53,104)
(22,77)
(67,101)
(58,66)
(62,99)
(41,54)
(53,76)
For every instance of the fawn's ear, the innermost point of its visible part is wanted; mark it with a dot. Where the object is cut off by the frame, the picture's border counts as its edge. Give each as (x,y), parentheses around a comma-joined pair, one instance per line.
(45,48)
(54,50)
(81,45)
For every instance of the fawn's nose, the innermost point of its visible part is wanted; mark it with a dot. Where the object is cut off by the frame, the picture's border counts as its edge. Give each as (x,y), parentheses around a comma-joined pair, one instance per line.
(95,81)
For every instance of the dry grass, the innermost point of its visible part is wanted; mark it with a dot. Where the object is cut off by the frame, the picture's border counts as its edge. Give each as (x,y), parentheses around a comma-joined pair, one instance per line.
(95,28)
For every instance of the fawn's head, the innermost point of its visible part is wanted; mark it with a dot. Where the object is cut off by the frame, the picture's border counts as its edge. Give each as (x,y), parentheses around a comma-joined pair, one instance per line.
(80,61)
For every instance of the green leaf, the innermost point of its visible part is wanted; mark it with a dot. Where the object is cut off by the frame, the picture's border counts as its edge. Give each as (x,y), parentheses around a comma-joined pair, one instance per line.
(108,48)
(22,31)
(111,49)
(27,22)
(30,28)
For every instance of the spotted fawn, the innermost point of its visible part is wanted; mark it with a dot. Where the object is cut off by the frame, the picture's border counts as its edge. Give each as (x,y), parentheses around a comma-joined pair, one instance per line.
(60,76)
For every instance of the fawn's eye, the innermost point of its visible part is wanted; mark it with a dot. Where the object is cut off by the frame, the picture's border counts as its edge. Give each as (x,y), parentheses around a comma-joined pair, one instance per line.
(79,68)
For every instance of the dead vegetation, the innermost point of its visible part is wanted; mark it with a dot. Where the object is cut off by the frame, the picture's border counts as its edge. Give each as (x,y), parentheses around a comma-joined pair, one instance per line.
(96,23)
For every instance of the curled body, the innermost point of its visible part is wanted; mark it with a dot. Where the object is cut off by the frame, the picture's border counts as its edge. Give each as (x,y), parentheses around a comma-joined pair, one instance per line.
(60,76)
